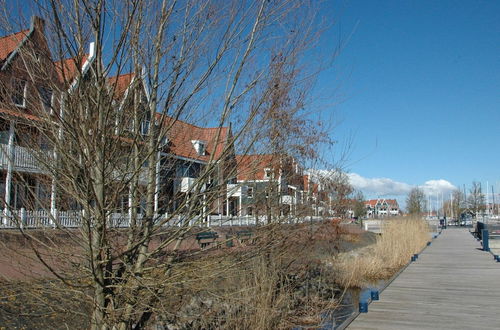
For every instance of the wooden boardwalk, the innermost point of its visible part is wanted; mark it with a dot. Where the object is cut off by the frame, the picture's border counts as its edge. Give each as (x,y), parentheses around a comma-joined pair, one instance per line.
(452,285)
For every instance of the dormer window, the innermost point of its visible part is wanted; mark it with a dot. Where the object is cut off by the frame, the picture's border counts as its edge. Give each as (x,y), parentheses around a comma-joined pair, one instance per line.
(19,92)
(163,142)
(199,146)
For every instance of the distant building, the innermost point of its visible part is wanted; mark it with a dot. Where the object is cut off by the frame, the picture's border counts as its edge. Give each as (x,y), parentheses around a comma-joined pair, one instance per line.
(382,208)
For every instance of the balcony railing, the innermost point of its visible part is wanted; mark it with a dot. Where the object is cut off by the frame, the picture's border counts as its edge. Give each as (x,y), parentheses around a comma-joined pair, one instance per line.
(23,159)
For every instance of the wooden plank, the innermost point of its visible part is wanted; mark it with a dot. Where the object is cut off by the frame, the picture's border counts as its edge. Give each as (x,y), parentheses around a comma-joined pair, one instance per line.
(452,285)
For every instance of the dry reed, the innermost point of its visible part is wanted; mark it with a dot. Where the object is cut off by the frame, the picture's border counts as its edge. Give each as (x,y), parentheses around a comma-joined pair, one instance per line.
(401,239)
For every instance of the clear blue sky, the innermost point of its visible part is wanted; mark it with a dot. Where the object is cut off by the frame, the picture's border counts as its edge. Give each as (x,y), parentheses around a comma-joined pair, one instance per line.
(421,87)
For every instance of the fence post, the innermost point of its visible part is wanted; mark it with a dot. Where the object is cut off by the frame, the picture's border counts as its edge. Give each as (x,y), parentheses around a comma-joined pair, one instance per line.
(485,235)
(4,216)
(53,217)
(23,217)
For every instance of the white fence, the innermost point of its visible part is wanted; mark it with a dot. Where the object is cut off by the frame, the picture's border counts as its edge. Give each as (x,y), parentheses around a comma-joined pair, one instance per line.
(73,219)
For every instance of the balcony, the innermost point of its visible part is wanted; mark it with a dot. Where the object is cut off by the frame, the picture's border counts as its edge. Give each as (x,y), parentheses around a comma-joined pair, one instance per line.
(236,190)
(24,159)
(183,184)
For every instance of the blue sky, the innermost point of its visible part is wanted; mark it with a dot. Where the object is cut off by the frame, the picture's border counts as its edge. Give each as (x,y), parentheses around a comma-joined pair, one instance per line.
(420,88)
(416,88)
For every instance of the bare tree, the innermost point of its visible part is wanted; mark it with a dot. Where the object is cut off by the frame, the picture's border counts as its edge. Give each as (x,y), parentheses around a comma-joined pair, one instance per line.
(359,207)
(458,203)
(109,131)
(476,198)
(415,201)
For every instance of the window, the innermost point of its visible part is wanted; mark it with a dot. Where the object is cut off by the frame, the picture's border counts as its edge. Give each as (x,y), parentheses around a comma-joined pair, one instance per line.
(46,98)
(201,149)
(19,92)
(268,173)
(249,210)
(4,137)
(44,142)
(199,146)
(145,127)
(250,192)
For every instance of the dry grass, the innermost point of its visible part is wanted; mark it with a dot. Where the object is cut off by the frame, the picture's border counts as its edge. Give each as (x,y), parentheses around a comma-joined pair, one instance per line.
(278,282)
(400,240)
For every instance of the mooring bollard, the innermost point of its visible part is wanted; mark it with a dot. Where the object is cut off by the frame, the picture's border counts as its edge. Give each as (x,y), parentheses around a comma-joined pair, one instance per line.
(363,306)
(485,237)
(375,295)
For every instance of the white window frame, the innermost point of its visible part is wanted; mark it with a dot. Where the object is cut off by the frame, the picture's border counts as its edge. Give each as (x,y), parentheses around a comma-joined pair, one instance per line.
(200,147)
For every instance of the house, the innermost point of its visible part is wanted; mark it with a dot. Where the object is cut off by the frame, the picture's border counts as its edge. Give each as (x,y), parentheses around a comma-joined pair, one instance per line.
(193,152)
(195,165)
(27,76)
(186,151)
(382,208)
(268,184)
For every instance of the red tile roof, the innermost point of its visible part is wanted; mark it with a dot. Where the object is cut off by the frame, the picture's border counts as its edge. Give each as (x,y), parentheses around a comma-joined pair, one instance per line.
(121,83)
(392,202)
(251,167)
(10,42)
(180,135)
(374,202)
(67,69)
(19,114)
